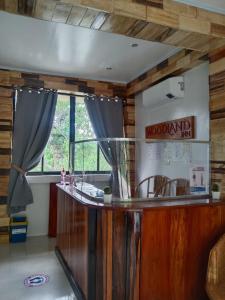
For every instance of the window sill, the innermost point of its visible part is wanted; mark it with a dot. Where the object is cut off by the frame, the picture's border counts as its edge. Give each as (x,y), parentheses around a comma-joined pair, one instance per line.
(56,178)
(43,178)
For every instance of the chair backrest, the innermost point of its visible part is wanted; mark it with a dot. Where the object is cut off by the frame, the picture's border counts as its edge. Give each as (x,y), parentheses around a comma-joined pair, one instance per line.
(176,187)
(154,186)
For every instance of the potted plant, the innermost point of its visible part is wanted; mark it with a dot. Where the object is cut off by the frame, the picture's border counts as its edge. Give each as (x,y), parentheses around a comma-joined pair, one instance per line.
(107,194)
(215,191)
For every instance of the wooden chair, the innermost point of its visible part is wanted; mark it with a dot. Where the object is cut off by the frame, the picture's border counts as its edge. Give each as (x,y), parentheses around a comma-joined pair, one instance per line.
(155,182)
(215,281)
(176,187)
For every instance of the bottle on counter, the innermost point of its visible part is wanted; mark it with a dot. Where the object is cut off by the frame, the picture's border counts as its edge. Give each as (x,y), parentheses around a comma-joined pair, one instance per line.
(63,176)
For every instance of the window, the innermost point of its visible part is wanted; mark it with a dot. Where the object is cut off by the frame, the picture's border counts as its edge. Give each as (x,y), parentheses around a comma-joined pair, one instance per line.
(71,123)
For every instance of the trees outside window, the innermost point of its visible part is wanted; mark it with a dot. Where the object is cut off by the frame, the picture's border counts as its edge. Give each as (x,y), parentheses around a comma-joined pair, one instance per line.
(71,123)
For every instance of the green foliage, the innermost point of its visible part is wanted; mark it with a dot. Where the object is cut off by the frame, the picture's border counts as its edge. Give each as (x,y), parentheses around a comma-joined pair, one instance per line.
(86,153)
(56,155)
(107,190)
(215,187)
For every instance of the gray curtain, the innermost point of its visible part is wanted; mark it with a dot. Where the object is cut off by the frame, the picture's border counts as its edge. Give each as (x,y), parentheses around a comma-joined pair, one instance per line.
(107,121)
(32,126)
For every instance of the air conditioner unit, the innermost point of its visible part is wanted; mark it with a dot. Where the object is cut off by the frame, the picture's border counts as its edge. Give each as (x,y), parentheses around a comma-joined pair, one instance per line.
(164,92)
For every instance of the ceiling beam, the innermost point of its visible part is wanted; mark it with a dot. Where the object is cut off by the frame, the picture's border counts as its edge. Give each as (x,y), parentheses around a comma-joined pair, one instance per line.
(162,21)
(162,12)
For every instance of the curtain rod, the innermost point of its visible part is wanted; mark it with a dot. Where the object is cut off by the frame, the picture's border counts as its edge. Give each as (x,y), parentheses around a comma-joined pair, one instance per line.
(46,89)
(67,94)
(73,95)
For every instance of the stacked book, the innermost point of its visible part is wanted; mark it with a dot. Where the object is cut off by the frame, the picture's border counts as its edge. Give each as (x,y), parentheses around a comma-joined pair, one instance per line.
(4,225)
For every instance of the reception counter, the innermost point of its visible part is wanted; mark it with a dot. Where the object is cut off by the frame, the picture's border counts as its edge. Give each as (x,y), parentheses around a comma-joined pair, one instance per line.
(141,250)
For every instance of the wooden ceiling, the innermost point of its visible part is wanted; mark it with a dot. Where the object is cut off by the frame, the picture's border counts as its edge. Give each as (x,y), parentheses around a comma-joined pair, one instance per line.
(196,30)
(163,21)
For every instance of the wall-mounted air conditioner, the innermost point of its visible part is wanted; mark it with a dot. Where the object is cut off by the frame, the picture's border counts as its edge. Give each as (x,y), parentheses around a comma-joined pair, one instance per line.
(164,92)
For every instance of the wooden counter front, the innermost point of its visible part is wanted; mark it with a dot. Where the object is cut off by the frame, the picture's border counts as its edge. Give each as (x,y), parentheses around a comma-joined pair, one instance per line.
(137,252)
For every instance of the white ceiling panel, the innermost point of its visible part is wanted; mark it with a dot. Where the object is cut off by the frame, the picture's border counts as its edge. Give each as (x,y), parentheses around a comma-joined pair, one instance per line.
(211,5)
(39,46)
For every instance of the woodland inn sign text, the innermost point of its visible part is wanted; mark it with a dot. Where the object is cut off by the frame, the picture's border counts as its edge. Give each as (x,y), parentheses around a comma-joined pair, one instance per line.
(175,129)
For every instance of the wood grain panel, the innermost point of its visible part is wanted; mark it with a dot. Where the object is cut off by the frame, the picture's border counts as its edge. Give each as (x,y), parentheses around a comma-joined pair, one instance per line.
(129,9)
(119,255)
(118,24)
(99,20)
(105,6)
(107,254)
(217,102)
(99,256)
(11,6)
(89,18)
(3,211)
(4,239)
(44,9)
(4,181)
(6,107)
(61,13)
(161,252)
(4,221)
(52,224)
(217,138)
(76,15)
(133,255)
(172,247)
(5,139)
(5,92)
(162,17)
(217,116)
(64,83)
(5,161)
(72,237)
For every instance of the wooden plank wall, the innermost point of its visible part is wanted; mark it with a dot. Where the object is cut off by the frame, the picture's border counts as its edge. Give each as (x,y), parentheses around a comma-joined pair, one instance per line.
(163,21)
(6,122)
(13,78)
(217,116)
(129,128)
(6,108)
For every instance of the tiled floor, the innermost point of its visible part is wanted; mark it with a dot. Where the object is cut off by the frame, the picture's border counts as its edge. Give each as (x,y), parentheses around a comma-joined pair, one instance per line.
(36,256)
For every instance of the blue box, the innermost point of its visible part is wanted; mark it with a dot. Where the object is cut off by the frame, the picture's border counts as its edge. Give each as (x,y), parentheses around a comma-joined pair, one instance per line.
(18,229)
(16,219)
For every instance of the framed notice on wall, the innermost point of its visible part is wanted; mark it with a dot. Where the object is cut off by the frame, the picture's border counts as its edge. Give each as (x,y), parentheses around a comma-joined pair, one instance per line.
(175,129)
(197,179)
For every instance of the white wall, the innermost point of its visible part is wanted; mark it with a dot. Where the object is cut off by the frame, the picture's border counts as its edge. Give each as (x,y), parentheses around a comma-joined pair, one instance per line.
(38,212)
(195,102)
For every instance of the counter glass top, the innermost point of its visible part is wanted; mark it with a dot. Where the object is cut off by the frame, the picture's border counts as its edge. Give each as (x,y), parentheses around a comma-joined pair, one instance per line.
(86,197)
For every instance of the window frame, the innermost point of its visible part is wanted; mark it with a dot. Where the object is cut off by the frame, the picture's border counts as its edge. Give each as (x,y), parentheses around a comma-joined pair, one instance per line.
(72,138)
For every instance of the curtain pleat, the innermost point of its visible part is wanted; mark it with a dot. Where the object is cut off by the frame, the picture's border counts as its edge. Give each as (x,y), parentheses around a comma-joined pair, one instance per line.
(32,126)
(107,121)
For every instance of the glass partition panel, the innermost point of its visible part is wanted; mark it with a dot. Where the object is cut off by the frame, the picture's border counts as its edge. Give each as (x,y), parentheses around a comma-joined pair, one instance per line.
(142,169)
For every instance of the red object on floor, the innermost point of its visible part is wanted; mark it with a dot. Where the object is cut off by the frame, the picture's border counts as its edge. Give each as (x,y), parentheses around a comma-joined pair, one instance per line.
(52,225)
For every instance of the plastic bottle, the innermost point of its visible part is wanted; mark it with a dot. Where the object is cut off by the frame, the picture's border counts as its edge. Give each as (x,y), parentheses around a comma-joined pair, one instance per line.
(63,176)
